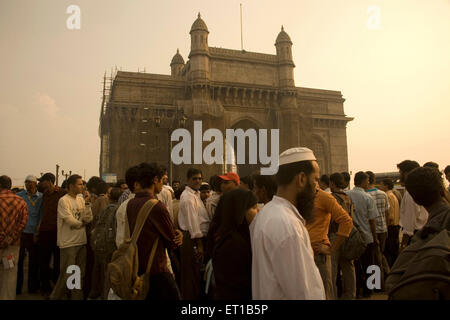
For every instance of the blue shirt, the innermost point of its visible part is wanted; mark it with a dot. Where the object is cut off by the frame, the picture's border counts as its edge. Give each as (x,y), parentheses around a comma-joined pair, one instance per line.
(365,210)
(34,203)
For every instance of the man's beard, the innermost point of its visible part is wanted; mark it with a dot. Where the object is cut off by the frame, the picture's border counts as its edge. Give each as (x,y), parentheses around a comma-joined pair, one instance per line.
(305,203)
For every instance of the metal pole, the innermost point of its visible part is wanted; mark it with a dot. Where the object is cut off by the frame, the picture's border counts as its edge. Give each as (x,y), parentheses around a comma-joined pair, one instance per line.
(242,40)
(57,174)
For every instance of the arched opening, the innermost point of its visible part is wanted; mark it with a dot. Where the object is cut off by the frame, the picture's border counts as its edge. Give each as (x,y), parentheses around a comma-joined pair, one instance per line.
(319,150)
(247,168)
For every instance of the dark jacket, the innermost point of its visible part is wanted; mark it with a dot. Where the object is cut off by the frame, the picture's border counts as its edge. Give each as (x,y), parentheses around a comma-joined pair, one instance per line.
(232,265)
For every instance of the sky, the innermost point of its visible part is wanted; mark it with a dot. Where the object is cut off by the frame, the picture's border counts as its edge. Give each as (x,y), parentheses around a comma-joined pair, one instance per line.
(389,58)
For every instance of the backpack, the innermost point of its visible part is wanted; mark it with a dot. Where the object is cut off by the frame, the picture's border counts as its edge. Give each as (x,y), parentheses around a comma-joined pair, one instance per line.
(354,246)
(124,266)
(422,270)
(103,235)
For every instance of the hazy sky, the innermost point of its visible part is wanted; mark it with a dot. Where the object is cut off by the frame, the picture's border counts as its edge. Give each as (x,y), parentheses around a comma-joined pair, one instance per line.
(396,80)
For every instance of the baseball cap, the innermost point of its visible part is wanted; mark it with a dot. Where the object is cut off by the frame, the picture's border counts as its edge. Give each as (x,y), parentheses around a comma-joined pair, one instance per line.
(47,177)
(31,178)
(230,176)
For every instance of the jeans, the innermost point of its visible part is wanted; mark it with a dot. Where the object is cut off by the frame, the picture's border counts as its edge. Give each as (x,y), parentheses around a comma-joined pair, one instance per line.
(27,243)
(348,275)
(392,244)
(100,285)
(8,277)
(47,248)
(380,259)
(70,256)
(361,265)
(323,263)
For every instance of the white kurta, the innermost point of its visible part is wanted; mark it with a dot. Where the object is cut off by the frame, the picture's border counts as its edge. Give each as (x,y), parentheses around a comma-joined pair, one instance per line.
(412,216)
(192,214)
(283,266)
(165,196)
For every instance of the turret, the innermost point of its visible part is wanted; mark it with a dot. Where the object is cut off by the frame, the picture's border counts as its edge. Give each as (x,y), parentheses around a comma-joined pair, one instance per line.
(177,65)
(285,63)
(199,55)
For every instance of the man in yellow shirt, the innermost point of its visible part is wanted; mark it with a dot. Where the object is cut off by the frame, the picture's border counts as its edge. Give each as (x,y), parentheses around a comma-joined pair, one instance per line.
(392,219)
(326,208)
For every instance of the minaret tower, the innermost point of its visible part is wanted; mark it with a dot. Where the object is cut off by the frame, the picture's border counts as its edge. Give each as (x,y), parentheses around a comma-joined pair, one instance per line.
(285,63)
(199,55)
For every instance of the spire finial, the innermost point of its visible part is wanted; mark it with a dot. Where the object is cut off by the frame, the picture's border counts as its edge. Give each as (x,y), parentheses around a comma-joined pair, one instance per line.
(282,28)
(199,16)
(178,50)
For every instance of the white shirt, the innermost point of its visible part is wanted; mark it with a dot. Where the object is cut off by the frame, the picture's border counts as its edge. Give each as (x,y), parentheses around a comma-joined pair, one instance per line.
(412,216)
(71,213)
(192,214)
(283,264)
(211,204)
(165,196)
(120,220)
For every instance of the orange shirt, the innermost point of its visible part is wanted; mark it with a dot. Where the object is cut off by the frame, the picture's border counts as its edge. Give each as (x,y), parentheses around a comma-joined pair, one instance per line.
(326,208)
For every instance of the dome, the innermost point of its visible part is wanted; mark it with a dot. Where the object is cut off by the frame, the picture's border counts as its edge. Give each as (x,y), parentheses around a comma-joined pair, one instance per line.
(283,37)
(199,24)
(177,58)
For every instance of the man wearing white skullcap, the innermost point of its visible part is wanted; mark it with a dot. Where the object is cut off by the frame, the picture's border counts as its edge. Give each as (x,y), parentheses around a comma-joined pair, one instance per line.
(283,264)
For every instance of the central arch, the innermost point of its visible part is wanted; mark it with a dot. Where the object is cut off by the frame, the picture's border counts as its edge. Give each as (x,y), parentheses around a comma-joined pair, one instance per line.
(246,169)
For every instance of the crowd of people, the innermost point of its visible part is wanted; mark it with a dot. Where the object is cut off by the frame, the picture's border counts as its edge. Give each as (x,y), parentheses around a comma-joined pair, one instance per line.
(294,235)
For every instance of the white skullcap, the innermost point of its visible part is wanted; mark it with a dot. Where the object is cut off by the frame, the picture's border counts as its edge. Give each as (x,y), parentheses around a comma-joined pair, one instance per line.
(31,178)
(296,155)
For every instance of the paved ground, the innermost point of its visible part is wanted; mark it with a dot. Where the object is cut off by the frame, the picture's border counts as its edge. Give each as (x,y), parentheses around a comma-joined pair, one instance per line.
(29,296)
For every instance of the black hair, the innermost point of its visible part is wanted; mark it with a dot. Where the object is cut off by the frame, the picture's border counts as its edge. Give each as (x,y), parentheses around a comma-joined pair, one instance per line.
(287,172)
(102,187)
(346,176)
(192,172)
(248,181)
(215,183)
(147,172)
(425,186)
(64,184)
(131,176)
(371,177)
(5,182)
(447,170)
(408,165)
(93,183)
(229,215)
(360,177)
(178,192)
(388,183)
(73,179)
(204,186)
(325,179)
(174,181)
(338,180)
(431,164)
(120,183)
(115,194)
(268,182)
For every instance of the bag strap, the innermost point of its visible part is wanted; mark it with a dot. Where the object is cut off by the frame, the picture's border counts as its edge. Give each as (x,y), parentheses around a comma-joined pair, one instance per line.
(141,218)
(152,255)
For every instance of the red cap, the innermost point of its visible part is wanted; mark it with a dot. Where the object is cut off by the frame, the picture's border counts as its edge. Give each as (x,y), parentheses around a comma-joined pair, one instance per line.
(230,176)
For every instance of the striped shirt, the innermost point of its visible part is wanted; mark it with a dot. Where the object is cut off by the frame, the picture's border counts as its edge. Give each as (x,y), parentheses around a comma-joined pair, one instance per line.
(382,202)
